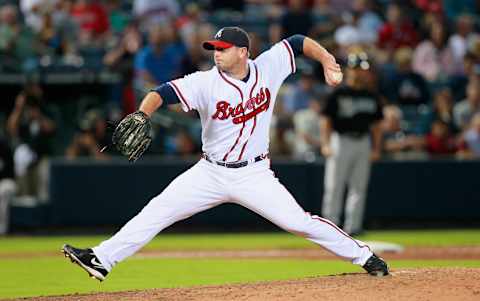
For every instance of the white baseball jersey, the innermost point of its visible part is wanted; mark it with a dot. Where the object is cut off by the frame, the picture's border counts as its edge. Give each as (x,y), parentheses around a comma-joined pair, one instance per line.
(236,115)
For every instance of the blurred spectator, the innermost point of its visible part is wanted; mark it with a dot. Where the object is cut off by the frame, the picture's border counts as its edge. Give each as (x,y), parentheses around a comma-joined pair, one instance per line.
(472,137)
(193,30)
(7,184)
(393,135)
(325,19)
(368,23)
(347,34)
(17,43)
(255,45)
(299,95)
(426,20)
(184,144)
(341,6)
(454,8)
(296,20)
(265,10)
(433,58)
(459,82)
(120,59)
(202,59)
(117,18)
(31,128)
(440,141)
(49,35)
(306,123)
(163,59)
(442,110)
(92,19)
(61,12)
(34,10)
(91,137)
(150,13)
(433,6)
(404,86)
(56,12)
(397,31)
(58,36)
(281,136)
(459,41)
(471,63)
(395,139)
(188,24)
(464,110)
(121,56)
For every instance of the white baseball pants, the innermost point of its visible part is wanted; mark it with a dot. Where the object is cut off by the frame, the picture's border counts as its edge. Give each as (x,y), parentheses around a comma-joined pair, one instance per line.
(207,185)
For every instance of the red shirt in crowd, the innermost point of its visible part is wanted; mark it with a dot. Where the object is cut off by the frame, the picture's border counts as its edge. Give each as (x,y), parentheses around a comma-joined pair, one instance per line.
(91,17)
(440,145)
(393,37)
(434,6)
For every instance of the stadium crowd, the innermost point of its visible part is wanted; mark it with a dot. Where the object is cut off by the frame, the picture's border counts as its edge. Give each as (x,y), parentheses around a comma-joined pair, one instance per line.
(423,57)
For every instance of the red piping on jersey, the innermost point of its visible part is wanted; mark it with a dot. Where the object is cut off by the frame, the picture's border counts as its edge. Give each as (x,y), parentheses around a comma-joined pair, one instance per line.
(255,118)
(177,90)
(235,86)
(290,53)
(243,125)
(326,221)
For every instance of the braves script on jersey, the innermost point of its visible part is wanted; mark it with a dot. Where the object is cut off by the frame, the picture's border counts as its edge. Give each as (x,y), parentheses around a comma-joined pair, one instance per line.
(236,115)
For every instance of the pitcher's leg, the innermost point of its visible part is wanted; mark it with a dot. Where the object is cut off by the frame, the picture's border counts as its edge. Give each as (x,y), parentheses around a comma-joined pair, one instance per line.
(357,190)
(269,198)
(336,169)
(192,192)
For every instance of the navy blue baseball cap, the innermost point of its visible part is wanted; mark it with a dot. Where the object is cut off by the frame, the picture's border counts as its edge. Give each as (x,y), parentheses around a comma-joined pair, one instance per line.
(228,37)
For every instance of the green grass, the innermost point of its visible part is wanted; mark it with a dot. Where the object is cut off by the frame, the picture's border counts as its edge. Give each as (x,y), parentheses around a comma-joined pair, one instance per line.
(434,238)
(242,241)
(37,274)
(56,276)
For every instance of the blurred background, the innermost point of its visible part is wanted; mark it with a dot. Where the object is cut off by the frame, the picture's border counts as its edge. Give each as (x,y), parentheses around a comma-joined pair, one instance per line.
(69,66)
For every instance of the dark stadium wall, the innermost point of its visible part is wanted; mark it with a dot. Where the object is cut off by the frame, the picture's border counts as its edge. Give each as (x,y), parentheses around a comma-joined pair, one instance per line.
(98,193)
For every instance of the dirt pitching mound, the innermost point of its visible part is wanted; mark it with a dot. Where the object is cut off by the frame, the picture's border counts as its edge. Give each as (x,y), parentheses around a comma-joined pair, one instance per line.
(405,284)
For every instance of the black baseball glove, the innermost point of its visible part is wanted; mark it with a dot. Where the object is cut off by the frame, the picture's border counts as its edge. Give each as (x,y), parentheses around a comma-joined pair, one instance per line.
(132,135)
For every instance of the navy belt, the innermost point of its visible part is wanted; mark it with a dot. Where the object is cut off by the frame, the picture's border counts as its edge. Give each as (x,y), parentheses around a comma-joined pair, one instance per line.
(236,164)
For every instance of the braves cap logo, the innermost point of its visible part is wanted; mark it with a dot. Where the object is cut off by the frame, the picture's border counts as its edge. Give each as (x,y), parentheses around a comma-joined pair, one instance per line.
(218,35)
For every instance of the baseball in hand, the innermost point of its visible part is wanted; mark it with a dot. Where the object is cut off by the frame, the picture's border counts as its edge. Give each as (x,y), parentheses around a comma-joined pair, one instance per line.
(337,76)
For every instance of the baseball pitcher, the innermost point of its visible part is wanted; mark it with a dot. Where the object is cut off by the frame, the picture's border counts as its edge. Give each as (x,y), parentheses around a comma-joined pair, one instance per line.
(235,101)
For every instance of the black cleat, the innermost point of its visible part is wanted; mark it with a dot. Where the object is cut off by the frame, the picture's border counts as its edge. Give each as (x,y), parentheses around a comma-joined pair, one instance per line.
(87,260)
(376,266)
